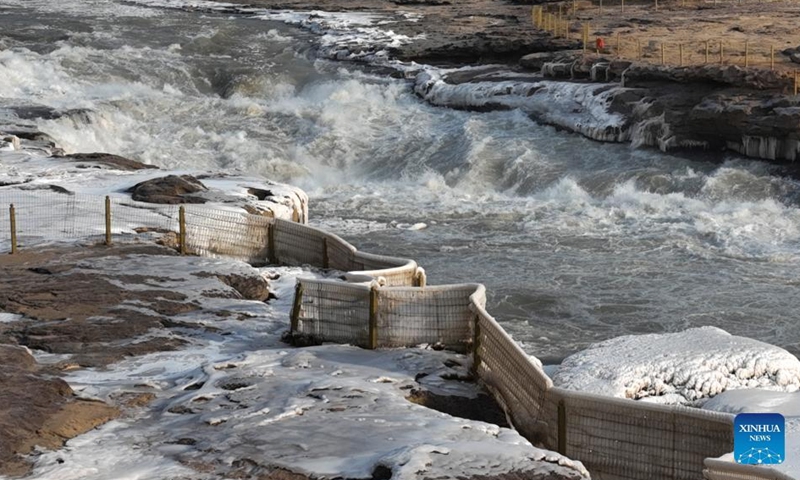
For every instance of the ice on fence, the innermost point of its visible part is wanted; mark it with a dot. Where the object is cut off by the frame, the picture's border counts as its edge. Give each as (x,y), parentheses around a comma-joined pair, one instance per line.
(684,368)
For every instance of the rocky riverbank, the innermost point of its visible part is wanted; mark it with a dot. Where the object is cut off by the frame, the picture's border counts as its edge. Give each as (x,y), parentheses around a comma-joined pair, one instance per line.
(710,108)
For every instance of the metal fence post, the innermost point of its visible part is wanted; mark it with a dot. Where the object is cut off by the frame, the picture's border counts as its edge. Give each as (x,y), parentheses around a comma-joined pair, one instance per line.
(108,220)
(298,304)
(13,218)
(373,317)
(562,427)
(476,345)
(182,229)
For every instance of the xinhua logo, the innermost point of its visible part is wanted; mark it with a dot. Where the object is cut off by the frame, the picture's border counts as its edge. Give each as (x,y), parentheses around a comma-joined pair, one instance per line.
(759,438)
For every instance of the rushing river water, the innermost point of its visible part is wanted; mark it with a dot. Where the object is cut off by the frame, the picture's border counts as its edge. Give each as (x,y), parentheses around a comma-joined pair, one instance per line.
(575,240)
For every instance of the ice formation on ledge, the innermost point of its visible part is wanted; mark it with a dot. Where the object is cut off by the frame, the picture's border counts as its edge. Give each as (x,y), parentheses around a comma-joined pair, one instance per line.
(684,368)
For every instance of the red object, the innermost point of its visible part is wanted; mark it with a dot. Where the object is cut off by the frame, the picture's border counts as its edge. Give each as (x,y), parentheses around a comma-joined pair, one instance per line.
(601,45)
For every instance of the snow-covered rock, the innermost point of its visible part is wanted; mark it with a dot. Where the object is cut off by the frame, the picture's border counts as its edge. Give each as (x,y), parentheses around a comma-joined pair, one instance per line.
(684,368)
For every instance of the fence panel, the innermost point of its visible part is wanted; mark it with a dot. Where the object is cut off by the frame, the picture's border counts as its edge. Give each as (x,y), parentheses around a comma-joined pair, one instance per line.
(408,316)
(625,439)
(297,244)
(332,311)
(517,383)
(227,233)
(398,272)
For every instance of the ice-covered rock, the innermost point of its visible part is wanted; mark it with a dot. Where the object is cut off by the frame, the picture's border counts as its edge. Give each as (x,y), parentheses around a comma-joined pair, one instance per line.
(686,367)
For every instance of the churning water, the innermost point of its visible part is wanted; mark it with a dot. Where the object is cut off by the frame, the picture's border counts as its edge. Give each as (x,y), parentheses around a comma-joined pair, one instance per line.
(576,241)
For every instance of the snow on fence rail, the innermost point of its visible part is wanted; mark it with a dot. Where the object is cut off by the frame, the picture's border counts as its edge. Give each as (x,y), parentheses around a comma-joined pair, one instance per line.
(383,301)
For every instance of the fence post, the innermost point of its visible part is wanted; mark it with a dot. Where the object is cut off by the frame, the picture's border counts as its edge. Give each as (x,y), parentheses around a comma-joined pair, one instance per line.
(721,49)
(796,81)
(639,48)
(562,427)
(663,55)
(680,50)
(12,215)
(656,5)
(476,345)
(325,259)
(601,7)
(373,317)
(574,7)
(182,229)
(622,6)
(296,306)
(271,256)
(585,36)
(746,54)
(108,220)
(772,57)
(619,47)
(707,45)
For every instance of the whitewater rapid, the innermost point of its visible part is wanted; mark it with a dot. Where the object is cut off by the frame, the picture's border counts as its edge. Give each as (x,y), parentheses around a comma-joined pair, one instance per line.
(576,241)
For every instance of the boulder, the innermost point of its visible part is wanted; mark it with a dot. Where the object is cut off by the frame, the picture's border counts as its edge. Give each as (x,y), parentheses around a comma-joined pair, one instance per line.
(109,160)
(172,189)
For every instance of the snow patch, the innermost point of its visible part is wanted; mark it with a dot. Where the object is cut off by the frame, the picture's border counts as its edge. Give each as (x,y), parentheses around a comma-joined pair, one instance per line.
(685,368)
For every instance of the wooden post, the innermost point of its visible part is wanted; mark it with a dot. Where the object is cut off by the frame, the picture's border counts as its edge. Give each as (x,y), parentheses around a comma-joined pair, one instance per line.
(296,306)
(601,7)
(707,45)
(476,345)
(108,220)
(619,50)
(585,36)
(680,53)
(721,49)
(373,318)
(271,256)
(795,92)
(746,54)
(663,55)
(325,259)
(656,5)
(772,57)
(182,229)
(562,428)
(622,6)
(639,47)
(12,214)
(574,7)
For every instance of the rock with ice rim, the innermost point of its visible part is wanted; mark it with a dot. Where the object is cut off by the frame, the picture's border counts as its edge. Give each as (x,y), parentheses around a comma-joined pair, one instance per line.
(684,368)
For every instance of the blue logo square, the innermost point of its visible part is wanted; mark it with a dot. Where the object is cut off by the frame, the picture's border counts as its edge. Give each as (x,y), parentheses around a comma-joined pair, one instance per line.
(759,438)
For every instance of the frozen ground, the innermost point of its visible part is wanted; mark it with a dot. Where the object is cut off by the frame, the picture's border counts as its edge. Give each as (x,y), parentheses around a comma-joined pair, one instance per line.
(234,400)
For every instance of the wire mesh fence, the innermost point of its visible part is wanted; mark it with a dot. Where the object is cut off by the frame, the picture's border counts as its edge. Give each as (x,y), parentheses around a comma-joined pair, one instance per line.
(614,438)
(46,216)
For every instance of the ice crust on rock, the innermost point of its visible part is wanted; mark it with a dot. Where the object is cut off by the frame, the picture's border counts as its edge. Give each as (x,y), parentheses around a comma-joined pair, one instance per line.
(685,368)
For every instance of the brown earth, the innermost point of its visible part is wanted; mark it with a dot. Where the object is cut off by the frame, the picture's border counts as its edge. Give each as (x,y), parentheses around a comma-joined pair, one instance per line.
(82,314)
(38,410)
